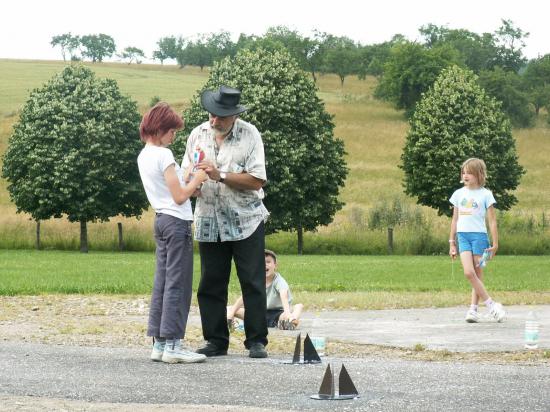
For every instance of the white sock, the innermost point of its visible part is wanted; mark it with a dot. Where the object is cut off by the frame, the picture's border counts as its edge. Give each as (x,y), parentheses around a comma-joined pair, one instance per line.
(489,303)
(171,344)
(473,307)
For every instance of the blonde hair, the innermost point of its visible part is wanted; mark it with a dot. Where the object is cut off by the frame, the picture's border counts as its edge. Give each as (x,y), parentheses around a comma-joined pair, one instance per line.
(476,167)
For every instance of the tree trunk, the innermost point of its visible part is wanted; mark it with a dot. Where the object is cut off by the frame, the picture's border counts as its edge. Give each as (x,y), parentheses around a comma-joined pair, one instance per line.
(38,235)
(83,237)
(300,240)
(314,77)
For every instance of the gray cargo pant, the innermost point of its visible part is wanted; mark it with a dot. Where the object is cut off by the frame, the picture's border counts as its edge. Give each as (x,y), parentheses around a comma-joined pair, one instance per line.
(172,287)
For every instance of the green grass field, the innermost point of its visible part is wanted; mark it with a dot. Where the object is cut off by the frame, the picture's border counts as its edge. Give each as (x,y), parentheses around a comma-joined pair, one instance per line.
(38,272)
(373,132)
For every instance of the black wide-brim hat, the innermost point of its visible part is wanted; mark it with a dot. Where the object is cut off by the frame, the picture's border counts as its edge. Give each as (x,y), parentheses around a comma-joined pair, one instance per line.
(224,102)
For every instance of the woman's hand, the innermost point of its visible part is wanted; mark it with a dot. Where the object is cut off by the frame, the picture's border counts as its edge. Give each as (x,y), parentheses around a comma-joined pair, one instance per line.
(210,168)
(200,175)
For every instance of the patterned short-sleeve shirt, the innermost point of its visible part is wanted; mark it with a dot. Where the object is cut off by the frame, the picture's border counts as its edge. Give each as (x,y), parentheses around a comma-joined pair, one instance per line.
(221,210)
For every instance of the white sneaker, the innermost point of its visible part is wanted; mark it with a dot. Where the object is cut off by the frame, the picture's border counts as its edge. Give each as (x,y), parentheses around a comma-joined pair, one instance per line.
(158,350)
(497,312)
(472,316)
(179,355)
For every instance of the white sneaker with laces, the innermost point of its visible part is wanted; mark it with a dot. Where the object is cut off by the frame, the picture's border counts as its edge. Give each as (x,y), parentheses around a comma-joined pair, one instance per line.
(472,316)
(177,354)
(497,312)
(158,350)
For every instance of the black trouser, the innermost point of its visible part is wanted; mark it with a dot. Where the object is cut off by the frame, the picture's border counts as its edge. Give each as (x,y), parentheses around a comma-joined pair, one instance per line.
(248,255)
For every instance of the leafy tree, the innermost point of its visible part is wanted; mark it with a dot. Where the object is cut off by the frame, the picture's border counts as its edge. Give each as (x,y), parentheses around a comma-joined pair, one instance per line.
(67,42)
(167,49)
(296,45)
(478,52)
(132,54)
(97,46)
(195,52)
(341,58)
(73,152)
(181,55)
(220,45)
(454,121)
(537,82)
(305,162)
(373,57)
(508,87)
(410,71)
(315,50)
(510,41)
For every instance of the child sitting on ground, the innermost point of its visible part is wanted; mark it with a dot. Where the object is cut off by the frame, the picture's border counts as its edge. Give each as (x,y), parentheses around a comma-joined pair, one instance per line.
(279,312)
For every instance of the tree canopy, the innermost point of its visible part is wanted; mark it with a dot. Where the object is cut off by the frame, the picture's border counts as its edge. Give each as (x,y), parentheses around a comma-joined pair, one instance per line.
(454,121)
(97,46)
(132,54)
(67,42)
(305,162)
(410,70)
(73,152)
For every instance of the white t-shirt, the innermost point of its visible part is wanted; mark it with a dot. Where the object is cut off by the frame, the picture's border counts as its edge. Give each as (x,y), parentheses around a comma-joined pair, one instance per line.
(152,162)
(273,292)
(472,207)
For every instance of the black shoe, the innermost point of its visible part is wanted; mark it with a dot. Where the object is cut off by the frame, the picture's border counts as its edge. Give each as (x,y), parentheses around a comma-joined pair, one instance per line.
(257,350)
(211,349)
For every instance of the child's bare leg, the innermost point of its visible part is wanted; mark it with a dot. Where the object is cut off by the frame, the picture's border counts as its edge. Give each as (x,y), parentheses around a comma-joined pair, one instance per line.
(471,274)
(239,313)
(236,308)
(479,273)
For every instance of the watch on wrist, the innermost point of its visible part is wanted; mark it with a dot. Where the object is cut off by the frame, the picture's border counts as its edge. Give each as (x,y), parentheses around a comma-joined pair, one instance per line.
(223,175)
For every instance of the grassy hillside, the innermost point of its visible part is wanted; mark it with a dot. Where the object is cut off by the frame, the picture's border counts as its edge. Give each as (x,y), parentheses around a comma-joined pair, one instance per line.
(373,133)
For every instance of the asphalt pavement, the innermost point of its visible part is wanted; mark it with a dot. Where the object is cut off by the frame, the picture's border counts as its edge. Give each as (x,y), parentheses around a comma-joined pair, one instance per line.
(82,378)
(121,376)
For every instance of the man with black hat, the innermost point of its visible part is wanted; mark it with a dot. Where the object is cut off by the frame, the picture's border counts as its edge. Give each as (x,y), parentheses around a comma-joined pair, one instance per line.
(229,219)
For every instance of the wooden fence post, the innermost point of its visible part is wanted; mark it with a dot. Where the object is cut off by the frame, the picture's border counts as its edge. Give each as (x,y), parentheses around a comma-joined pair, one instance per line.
(120,239)
(37,245)
(390,240)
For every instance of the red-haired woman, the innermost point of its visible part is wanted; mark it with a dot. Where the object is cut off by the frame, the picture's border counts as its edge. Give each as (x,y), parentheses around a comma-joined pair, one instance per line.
(163,183)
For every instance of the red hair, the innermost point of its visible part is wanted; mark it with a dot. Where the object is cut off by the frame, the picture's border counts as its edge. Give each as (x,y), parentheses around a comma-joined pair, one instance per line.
(158,120)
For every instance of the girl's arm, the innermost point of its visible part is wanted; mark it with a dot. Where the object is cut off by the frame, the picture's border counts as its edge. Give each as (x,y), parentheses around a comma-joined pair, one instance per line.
(452,235)
(492,219)
(180,193)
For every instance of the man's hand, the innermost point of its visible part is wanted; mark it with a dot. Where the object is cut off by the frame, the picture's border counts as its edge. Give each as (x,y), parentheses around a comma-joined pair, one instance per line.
(210,168)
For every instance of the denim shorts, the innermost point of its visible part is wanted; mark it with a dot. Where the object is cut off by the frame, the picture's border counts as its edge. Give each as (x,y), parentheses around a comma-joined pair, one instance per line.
(475,242)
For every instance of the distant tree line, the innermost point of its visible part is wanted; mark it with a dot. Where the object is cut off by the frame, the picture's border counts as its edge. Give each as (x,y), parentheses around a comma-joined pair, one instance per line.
(405,69)
(95,47)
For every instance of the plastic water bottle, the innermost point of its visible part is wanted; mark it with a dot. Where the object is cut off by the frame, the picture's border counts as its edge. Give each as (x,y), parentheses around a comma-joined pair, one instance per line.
(531,331)
(240,326)
(484,259)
